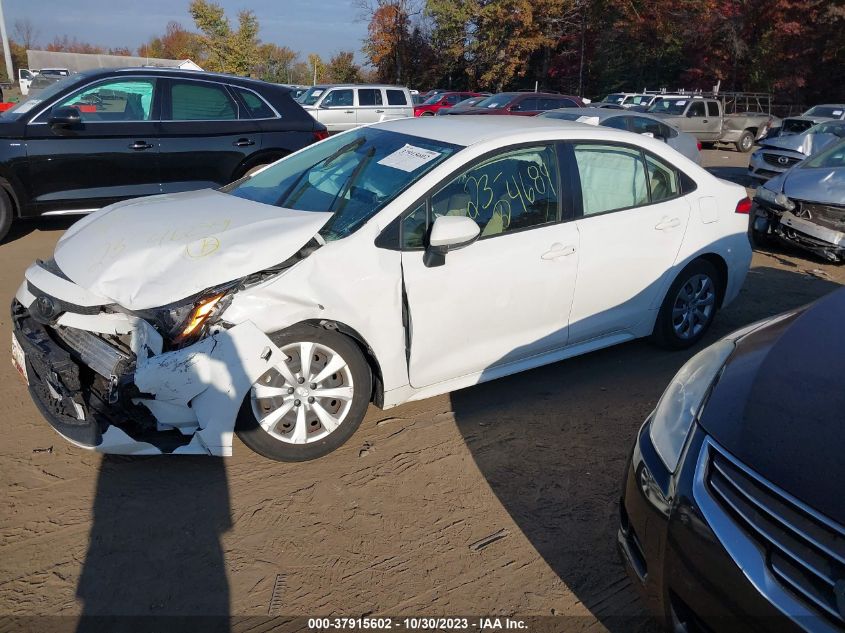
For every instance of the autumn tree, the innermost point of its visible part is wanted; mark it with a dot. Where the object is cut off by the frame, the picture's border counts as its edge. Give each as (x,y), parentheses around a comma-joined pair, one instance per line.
(176,43)
(388,37)
(276,64)
(342,68)
(228,50)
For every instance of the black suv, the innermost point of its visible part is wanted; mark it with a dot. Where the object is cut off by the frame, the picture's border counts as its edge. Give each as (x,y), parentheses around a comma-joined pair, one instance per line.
(105,135)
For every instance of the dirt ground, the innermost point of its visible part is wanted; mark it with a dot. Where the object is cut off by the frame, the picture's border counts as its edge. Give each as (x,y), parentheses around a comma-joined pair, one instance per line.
(394,523)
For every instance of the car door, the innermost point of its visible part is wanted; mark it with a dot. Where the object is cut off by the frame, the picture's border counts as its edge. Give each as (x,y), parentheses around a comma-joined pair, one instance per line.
(713,122)
(632,222)
(370,108)
(204,141)
(337,110)
(697,117)
(505,297)
(112,153)
(527,106)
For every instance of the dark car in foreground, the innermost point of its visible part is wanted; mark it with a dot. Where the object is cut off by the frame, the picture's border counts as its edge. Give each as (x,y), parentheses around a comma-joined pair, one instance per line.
(520,104)
(732,515)
(805,206)
(101,136)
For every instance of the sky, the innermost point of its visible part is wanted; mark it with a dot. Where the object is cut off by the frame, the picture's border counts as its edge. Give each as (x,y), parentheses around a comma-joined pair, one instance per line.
(319,26)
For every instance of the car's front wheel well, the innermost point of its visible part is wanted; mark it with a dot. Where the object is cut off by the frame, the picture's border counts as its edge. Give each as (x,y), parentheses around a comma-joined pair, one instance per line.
(10,191)
(721,267)
(256,160)
(377,396)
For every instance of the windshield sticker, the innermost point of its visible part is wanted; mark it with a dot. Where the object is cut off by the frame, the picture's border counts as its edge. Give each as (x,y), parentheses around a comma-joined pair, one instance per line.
(408,158)
(837,113)
(589,120)
(683,102)
(28,105)
(317,93)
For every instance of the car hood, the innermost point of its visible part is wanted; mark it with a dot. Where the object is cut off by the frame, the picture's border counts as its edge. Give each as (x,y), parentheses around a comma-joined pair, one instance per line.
(819,184)
(806,144)
(778,404)
(150,252)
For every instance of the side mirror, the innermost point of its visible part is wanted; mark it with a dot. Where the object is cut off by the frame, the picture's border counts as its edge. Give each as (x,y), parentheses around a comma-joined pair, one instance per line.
(64,117)
(449,233)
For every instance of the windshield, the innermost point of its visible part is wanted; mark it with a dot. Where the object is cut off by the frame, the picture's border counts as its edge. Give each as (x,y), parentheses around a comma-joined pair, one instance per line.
(833,111)
(352,175)
(639,99)
(614,98)
(43,95)
(312,95)
(833,157)
(496,101)
(669,106)
(831,127)
(433,99)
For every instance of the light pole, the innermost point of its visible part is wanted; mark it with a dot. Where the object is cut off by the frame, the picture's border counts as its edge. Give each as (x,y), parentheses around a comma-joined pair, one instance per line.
(6,50)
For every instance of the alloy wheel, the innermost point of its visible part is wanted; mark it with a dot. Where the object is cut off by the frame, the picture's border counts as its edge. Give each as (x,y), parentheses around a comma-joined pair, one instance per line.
(694,306)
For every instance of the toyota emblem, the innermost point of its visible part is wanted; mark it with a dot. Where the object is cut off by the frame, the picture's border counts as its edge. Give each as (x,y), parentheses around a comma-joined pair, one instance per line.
(783,160)
(46,307)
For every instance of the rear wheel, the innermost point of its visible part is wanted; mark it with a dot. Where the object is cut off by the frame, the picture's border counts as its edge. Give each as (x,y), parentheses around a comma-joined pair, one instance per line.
(689,307)
(427,114)
(6,214)
(311,401)
(745,142)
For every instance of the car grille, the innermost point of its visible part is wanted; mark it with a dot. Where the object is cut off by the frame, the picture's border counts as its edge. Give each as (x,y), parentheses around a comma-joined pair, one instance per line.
(804,550)
(827,215)
(774,159)
(100,355)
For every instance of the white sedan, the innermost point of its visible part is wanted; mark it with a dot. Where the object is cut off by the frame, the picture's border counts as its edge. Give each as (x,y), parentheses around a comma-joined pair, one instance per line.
(386,264)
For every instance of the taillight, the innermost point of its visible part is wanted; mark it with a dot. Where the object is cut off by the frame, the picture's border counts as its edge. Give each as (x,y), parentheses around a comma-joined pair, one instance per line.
(744,206)
(699,146)
(319,135)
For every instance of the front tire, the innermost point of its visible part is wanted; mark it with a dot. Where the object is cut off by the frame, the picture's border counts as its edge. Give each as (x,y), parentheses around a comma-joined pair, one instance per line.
(689,307)
(310,404)
(6,214)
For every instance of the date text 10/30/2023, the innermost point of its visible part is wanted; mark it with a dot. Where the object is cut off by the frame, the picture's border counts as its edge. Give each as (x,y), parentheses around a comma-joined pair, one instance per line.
(417,624)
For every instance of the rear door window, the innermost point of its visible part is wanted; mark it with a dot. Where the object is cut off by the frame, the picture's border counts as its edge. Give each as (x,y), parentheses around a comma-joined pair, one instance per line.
(551,104)
(201,101)
(396,97)
(612,177)
(712,109)
(369,97)
(529,105)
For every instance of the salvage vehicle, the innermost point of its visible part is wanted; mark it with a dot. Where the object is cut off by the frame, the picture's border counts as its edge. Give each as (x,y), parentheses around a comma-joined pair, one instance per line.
(342,107)
(705,119)
(805,206)
(636,122)
(732,515)
(519,104)
(630,99)
(813,116)
(462,105)
(441,100)
(281,305)
(780,153)
(101,136)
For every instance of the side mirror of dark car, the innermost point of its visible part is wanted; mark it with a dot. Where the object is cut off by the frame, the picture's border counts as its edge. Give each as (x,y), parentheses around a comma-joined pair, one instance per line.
(64,117)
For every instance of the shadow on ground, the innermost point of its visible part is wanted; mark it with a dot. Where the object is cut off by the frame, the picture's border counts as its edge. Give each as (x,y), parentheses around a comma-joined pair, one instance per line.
(553,442)
(22,228)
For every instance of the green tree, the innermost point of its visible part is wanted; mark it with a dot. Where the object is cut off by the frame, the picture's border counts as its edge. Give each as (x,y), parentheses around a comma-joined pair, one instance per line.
(228,50)
(342,68)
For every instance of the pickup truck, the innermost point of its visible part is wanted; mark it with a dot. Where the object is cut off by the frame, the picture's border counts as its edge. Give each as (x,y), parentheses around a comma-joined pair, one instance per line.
(705,119)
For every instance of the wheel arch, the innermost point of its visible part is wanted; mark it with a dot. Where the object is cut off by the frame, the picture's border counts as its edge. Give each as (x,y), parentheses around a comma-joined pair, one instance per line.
(377,396)
(721,267)
(13,196)
(261,157)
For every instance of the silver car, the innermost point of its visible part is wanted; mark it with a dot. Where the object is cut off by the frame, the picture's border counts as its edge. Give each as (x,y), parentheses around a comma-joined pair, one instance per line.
(816,114)
(778,154)
(636,122)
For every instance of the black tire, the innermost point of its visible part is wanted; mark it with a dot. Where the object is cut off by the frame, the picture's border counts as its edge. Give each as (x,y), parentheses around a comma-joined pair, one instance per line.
(7,214)
(427,114)
(665,334)
(706,145)
(260,441)
(745,143)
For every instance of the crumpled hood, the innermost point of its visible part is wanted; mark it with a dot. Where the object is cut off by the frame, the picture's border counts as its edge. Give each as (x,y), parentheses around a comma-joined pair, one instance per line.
(807,144)
(820,184)
(149,252)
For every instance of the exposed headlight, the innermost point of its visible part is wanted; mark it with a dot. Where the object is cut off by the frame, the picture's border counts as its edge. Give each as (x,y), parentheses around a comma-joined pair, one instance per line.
(777,199)
(186,320)
(681,402)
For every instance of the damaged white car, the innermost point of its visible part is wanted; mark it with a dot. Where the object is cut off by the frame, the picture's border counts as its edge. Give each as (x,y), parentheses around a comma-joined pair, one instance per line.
(386,264)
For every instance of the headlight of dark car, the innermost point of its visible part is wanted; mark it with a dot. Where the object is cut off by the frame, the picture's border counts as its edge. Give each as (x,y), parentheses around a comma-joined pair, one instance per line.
(773,198)
(682,400)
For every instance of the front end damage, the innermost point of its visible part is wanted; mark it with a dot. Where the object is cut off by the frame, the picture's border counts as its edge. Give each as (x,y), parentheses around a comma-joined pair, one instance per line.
(815,227)
(107,380)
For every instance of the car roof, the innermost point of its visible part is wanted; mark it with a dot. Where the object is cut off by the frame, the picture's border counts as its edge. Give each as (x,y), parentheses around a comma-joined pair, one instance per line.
(326,86)
(603,113)
(175,72)
(473,129)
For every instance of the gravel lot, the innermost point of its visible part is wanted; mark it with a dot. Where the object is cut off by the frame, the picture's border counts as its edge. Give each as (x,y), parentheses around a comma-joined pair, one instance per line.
(391,524)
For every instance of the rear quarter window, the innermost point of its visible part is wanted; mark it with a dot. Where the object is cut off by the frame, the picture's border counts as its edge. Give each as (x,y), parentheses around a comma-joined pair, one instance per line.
(396,97)
(255,106)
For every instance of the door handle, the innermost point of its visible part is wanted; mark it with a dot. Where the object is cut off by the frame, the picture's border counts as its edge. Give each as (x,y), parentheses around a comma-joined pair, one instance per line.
(379,111)
(667,223)
(140,145)
(705,121)
(243,142)
(557,251)
(349,111)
